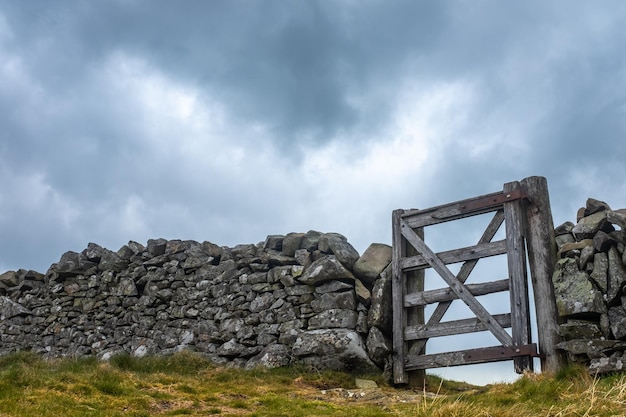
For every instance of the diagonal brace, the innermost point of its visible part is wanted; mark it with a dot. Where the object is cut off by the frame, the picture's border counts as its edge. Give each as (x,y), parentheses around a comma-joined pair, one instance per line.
(455,285)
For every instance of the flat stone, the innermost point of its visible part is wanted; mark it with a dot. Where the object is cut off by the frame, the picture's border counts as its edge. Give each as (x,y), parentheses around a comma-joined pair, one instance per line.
(327,268)
(614,363)
(580,329)
(330,301)
(589,225)
(575,246)
(332,319)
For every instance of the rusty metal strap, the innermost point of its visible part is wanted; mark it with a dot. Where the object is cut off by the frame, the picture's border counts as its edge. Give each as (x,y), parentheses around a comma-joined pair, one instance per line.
(492,200)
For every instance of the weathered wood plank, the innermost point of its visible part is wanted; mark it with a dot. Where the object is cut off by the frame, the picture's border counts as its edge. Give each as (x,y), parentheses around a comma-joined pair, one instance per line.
(458,210)
(470,356)
(520,318)
(450,328)
(446,294)
(481,250)
(414,282)
(542,258)
(466,269)
(477,308)
(400,376)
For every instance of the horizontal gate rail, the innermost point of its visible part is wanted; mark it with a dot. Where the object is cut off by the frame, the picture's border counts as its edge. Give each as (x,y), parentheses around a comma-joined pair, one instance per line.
(446,294)
(470,357)
(459,209)
(449,328)
(482,250)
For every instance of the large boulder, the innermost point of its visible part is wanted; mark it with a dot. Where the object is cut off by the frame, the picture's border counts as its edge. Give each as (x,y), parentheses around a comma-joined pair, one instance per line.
(337,349)
(575,294)
(373,261)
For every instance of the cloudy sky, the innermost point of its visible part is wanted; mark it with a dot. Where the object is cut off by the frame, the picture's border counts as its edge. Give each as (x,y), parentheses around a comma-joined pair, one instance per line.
(231,120)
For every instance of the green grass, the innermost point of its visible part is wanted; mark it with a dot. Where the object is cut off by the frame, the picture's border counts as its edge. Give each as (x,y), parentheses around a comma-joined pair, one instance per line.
(186,384)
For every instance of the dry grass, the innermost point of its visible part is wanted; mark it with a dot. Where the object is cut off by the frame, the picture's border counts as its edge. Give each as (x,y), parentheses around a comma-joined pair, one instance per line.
(187,385)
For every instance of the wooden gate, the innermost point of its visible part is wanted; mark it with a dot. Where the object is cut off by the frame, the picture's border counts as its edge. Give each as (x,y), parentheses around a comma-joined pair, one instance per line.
(524,208)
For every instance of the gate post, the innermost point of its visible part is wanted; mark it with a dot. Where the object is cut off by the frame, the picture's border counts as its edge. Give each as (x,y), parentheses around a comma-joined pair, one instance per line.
(542,259)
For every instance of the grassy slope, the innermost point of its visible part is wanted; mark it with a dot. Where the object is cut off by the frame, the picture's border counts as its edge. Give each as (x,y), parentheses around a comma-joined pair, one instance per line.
(186,384)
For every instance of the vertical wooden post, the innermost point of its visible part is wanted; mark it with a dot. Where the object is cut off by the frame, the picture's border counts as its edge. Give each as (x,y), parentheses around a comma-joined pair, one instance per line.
(518,278)
(542,258)
(415,316)
(400,375)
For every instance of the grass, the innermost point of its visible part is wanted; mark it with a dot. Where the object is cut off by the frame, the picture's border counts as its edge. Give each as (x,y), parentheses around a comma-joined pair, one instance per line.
(186,384)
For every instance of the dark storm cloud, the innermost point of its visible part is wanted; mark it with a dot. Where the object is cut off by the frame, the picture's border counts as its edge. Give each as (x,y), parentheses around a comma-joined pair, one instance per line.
(293,66)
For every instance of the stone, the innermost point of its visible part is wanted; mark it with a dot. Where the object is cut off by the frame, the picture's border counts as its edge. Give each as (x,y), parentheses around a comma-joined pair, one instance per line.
(617,319)
(327,268)
(575,295)
(586,255)
(275,258)
(614,363)
(68,265)
(262,302)
(589,225)
(373,261)
(332,301)
(231,349)
(291,243)
(579,329)
(323,244)
(334,318)
(333,286)
(343,251)
(564,229)
(156,247)
(617,217)
(600,269)
(595,206)
(303,257)
(363,294)
(365,383)
(602,241)
(616,277)
(337,349)
(380,314)
(310,240)
(274,242)
(272,356)
(564,239)
(379,347)
(576,246)
(593,348)
(9,279)
(10,309)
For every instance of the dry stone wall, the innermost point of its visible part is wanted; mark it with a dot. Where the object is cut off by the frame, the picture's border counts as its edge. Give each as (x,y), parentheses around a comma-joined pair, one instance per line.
(589,283)
(305,298)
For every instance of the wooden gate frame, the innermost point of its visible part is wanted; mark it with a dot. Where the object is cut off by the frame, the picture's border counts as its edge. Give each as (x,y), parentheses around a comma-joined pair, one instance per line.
(525,208)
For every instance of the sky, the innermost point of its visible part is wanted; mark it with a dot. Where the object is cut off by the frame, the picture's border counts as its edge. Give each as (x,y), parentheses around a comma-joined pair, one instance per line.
(228,121)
